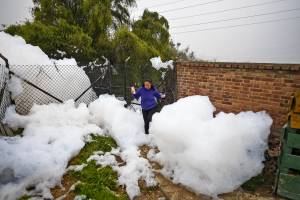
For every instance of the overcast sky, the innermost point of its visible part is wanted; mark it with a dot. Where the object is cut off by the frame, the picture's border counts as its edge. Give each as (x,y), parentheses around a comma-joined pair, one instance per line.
(277,42)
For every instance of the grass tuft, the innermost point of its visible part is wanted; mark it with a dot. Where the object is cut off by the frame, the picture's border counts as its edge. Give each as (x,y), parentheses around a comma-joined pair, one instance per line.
(99,143)
(254,183)
(97,182)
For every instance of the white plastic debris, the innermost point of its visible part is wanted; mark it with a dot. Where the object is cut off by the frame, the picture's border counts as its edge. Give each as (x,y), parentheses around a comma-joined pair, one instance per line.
(158,64)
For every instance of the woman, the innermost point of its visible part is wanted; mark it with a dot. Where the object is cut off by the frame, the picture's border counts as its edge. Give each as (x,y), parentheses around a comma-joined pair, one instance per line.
(149,98)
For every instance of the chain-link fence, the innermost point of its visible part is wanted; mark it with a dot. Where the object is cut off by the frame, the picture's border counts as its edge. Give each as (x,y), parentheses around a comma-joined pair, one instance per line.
(5,99)
(4,93)
(117,80)
(44,84)
(27,85)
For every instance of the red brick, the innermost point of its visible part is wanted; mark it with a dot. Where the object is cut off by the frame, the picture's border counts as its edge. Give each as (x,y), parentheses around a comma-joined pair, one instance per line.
(234,87)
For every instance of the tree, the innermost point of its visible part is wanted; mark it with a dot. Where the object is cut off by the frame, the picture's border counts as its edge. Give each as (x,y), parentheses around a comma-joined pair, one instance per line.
(120,12)
(64,37)
(94,16)
(154,30)
(126,44)
(184,54)
(98,19)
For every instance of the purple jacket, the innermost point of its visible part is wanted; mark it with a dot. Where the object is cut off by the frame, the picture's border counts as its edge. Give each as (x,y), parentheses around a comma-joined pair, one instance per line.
(148,97)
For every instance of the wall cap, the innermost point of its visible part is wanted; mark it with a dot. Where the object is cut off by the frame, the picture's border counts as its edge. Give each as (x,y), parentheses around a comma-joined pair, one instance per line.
(240,65)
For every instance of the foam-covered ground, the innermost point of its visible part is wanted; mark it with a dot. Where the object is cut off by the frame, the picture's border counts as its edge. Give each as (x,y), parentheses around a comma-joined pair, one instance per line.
(210,155)
(55,133)
(126,127)
(52,135)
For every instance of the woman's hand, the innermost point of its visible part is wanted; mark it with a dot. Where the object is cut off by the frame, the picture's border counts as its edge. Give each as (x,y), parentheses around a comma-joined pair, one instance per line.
(132,89)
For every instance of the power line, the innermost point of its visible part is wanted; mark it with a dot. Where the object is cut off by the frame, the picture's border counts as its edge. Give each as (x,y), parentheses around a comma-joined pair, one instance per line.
(164,4)
(227,10)
(239,25)
(236,18)
(190,6)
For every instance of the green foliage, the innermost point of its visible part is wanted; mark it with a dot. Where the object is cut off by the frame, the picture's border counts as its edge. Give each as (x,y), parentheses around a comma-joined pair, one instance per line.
(184,54)
(120,12)
(98,192)
(63,36)
(127,44)
(18,132)
(79,11)
(154,30)
(25,197)
(44,11)
(94,16)
(98,17)
(93,175)
(96,182)
(254,183)
(99,143)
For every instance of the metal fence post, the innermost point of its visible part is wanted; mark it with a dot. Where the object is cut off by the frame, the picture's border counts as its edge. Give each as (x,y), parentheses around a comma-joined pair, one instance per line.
(125,81)
(110,79)
(4,129)
(5,60)
(9,75)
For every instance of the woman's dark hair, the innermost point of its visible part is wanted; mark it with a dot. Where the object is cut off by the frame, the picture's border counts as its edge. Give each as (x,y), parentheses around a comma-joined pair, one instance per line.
(150,81)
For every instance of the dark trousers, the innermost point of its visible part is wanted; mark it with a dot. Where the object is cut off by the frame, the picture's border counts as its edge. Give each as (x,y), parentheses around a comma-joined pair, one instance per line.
(147,115)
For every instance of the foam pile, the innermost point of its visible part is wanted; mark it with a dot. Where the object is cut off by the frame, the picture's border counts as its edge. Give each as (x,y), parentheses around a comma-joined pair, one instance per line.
(52,135)
(127,128)
(210,155)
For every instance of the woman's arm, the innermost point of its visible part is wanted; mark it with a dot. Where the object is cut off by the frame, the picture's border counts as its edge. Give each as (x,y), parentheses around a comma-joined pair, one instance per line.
(137,94)
(157,94)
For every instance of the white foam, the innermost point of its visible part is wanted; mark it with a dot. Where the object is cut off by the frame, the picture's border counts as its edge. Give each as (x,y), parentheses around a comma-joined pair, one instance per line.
(126,127)
(210,155)
(52,135)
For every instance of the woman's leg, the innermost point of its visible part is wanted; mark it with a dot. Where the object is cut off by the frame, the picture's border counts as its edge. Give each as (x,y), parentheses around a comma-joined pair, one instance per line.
(147,115)
(146,120)
(151,112)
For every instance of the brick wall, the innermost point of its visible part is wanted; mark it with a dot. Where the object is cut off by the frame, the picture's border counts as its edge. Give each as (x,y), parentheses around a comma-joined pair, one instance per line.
(235,87)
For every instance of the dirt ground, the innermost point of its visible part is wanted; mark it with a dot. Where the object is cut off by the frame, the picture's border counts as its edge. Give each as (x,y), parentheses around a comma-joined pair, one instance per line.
(166,190)
(170,191)
(64,192)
